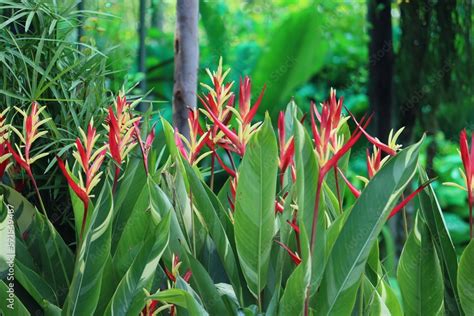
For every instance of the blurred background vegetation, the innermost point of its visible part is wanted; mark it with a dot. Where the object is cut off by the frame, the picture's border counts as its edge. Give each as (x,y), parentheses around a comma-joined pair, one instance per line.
(410,62)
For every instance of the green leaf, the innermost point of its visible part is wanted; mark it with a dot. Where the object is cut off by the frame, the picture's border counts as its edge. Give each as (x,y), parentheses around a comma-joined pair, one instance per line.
(93,252)
(129,298)
(203,200)
(34,284)
(129,190)
(306,184)
(296,51)
(45,245)
(142,220)
(255,206)
(11,304)
(180,298)
(7,237)
(293,299)
(203,284)
(419,274)
(466,278)
(374,304)
(346,262)
(433,216)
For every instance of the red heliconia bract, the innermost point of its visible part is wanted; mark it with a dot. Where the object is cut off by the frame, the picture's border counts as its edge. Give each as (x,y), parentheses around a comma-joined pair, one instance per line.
(468,162)
(121,131)
(30,133)
(145,146)
(467,157)
(287,150)
(191,148)
(90,162)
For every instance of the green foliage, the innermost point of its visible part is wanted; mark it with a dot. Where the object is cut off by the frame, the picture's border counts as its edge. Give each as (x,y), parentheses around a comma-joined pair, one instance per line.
(466,279)
(419,274)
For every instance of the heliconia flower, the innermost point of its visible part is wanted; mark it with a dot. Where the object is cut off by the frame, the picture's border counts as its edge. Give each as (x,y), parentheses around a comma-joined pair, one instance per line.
(238,138)
(191,148)
(374,163)
(4,135)
(293,255)
(30,133)
(287,150)
(145,146)
(174,273)
(467,157)
(219,94)
(391,147)
(329,146)
(356,193)
(90,161)
(121,131)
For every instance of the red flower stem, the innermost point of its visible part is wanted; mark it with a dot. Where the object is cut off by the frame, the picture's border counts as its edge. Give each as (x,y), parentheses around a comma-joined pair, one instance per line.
(316,212)
(231,160)
(298,243)
(339,199)
(470,219)
(313,230)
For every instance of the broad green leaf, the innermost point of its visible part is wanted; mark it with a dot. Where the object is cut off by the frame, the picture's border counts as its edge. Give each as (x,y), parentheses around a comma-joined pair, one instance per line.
(45,245)
(11,304)
(419,274)
(374,304)
(296,51)
(433,216)
(294,296)
(203,284)
(34,284)
(255,206)
(466,279)
(306,184)
(129,298)
(346,262)
(7,238)
(126,197)
(93,252)
(142,220)
(203,201)
(180,298)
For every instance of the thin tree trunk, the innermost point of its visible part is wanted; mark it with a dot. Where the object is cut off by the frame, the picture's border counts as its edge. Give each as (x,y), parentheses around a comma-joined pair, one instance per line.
(142,48)
(186,50)
(380,90)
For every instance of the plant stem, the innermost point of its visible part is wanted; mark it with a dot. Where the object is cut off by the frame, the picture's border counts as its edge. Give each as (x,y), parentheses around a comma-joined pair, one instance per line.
(337,189)
(231,160)
(470,218)
(405,220)
(315,213)
(192,222)
(213,157)
(313,231)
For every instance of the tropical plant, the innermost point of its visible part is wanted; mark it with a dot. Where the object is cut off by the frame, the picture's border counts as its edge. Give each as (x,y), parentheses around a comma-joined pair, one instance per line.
(155,233)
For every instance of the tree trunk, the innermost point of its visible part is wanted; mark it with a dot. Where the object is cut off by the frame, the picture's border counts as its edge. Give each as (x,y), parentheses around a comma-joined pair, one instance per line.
(186,60)
(380,65)
(413,53)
